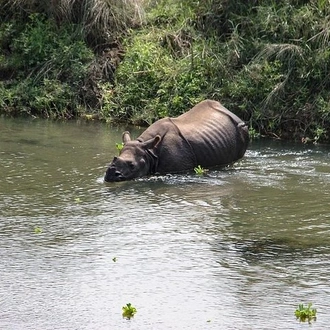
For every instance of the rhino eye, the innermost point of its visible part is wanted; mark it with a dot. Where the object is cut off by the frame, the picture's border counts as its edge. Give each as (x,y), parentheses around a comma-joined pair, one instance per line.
(131,165)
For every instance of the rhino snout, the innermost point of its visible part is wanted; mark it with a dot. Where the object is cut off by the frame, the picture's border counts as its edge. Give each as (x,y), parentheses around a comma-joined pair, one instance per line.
(112,175)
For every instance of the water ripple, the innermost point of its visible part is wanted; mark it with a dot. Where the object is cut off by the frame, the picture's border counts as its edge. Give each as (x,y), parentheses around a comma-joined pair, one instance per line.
(218,251)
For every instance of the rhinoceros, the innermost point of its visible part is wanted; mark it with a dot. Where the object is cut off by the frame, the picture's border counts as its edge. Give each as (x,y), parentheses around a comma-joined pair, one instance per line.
(208,135)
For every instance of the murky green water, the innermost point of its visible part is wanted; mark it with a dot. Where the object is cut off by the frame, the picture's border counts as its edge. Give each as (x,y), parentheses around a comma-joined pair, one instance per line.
(238,249)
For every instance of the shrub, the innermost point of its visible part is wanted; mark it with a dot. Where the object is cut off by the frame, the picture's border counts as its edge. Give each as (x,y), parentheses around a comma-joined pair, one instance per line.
(47,68)
(51,65)
(152,83)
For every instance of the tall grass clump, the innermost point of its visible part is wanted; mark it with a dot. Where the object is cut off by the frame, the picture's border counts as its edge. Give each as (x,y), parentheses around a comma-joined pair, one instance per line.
(46,70)
(98,20)
(56,55)
(277,62)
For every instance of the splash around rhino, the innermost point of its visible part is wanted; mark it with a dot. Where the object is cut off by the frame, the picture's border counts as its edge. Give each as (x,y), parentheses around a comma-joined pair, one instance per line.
(207,135)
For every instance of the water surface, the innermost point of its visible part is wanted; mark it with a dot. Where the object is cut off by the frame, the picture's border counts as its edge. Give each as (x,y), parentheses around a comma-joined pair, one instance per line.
(237,249)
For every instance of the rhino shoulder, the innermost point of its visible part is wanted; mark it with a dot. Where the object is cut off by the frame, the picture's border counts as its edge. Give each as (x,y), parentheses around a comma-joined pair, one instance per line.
(161,127)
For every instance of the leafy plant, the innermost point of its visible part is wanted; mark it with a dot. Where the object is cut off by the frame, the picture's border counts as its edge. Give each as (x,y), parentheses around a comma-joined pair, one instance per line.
(37,230)
(200,170)
(164,71)
(48,65)
(305,313)
(119,146)
(128,311)
(319,132)
(253,133)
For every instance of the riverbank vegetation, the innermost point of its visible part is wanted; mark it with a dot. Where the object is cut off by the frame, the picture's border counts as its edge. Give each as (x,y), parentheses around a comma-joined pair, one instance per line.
(139,60)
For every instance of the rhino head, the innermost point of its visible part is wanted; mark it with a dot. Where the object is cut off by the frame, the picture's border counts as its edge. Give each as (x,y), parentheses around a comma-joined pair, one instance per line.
(136,159)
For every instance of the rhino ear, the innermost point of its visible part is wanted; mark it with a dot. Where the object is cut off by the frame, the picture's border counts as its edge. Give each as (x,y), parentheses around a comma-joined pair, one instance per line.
(152,143)
(126,137)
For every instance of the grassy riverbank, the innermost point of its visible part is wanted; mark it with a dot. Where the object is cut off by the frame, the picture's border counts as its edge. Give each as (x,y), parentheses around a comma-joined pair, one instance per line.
(137,61)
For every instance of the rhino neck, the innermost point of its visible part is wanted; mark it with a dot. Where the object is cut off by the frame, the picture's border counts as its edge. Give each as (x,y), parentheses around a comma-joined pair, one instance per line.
(153,161)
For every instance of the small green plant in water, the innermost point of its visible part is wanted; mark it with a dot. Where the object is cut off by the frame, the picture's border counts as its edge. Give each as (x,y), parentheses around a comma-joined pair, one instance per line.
(114,259)
(119,147)
(128,311)
(37,230)
(199,170)
(305,313)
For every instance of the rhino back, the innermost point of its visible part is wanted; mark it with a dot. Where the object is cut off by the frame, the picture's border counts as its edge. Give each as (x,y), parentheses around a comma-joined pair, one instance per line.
(216,135)
(207,135)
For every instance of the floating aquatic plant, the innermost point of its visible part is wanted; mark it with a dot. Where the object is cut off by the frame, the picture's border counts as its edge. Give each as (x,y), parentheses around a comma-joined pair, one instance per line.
(128,311)
(199,170)
(305,313)
(119,146)
(37,230)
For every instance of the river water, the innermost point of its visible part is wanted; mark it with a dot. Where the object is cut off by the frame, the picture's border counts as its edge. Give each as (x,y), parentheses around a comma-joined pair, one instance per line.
(237,249)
